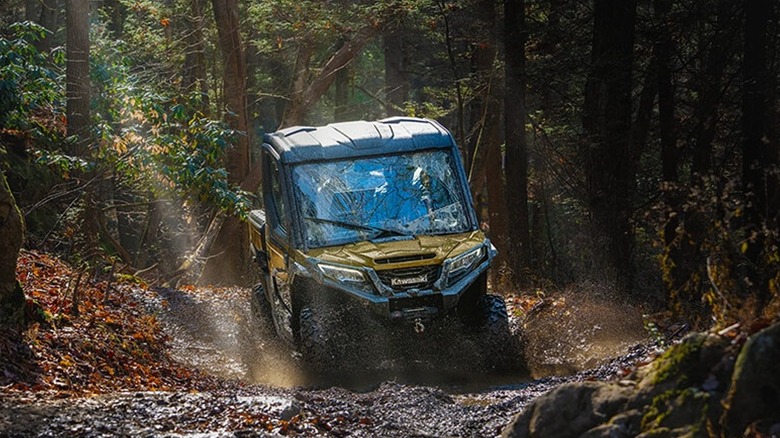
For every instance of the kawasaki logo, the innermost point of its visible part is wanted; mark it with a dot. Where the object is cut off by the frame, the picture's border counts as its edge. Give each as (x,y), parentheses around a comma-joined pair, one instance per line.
(408,280)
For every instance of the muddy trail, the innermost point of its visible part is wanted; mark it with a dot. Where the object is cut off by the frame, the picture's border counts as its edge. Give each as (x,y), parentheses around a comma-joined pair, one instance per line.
(407,385)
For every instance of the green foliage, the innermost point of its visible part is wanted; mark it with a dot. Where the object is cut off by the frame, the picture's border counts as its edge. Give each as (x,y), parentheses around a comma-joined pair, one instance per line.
(153,139)
(706,262)
(30,85)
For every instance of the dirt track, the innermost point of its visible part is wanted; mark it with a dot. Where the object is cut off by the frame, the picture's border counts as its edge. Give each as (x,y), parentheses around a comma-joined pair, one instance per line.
(423,392)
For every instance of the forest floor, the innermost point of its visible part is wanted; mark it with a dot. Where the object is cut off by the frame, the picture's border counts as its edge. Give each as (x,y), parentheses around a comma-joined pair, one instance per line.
(150,361)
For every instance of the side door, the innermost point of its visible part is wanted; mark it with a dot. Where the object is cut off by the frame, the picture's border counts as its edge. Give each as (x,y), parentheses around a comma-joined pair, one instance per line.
(277,244)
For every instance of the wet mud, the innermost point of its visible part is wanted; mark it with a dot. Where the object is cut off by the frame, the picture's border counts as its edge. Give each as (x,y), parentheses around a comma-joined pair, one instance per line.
(403,385)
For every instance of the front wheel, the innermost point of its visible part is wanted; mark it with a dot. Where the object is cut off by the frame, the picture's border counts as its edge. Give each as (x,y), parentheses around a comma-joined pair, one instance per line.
(494,333)
(493,315)
(314,341)
(469,310)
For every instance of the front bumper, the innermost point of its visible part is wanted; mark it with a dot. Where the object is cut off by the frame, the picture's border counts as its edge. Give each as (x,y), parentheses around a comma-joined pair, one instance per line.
(409,305)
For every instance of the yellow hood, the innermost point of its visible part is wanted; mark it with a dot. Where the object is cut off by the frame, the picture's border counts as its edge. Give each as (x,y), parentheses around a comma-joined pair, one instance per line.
(431,249)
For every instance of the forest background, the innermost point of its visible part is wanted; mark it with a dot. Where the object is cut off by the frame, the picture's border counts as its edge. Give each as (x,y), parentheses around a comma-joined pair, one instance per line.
(622,146)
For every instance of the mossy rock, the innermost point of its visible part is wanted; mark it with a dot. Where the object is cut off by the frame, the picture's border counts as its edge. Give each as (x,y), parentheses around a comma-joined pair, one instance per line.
(754,394)
(570,410)
(623,425)
(684,365)
(679,413)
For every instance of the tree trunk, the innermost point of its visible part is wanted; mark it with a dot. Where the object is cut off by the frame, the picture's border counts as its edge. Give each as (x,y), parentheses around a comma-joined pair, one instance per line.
(11,238)
(514,130)
(710,86)
(234,87)
(678,247)
(449,42)
(341,92)
(194,79)
(32,10)
(608,156)
(395,79)
(229,256)
(116,12)
(306,93)
(77,74)
(47,17)
(759,155)
(488,139)
(684,231)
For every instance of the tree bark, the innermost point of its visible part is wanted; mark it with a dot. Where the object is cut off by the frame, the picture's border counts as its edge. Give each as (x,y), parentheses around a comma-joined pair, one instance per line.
(608,155)
(488,138)
(11,238)
(710,86)
(77,74)
(759,155)
(514,131)
(395,79)
(234,86)
(116,12)
(306,93)
(32,10)
(229,256)
(194,79)
(341,92)
(48,15)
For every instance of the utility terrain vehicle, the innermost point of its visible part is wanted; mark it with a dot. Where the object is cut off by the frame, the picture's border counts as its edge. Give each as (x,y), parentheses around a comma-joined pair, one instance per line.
(368,221)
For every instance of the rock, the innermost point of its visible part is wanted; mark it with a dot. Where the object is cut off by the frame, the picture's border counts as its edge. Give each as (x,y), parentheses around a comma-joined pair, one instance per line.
(754,393)
(679,413)
(290,411)
(569,410)
(622,425)
(687,364)
(678,395)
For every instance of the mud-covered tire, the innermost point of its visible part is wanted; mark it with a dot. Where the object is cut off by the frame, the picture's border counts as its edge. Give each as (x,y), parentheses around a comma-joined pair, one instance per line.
(495,336)
(314,342)
(260,304)
(469,310)
(494,319)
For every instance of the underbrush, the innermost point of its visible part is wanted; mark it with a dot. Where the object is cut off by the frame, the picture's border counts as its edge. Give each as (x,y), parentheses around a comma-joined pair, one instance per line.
(87,335)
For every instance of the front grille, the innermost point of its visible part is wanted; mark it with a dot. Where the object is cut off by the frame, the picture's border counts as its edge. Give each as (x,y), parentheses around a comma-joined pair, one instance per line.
(407,258)
(400,280)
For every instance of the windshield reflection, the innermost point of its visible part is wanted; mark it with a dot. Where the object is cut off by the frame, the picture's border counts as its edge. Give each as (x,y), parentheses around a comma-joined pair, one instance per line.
(379,197)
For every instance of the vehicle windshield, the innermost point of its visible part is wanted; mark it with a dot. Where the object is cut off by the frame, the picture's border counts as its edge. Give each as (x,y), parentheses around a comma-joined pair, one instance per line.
(379,197)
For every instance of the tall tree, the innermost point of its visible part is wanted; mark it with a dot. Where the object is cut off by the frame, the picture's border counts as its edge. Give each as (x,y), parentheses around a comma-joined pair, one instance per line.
(307,91)
(608,157)
(679,269)
(341,95)
(46,13)
(759,151)
(194,78)
(487,118)
(77,73)
(231,244)
(717,51)
(685,230)
(515,36)
(116,11)
(395,80)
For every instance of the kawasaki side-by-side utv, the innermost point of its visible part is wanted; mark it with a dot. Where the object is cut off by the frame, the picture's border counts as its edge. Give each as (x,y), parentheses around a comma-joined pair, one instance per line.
(368,220)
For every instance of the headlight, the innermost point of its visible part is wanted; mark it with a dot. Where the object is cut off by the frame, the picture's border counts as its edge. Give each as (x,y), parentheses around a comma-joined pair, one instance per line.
(466,260)
(342,274)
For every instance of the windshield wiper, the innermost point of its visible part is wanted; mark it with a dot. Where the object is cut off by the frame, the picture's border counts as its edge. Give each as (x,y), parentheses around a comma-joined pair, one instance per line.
(381,232)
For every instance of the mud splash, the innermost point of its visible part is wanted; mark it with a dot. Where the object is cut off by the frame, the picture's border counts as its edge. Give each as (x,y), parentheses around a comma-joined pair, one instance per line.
(216,331)
(575,330)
